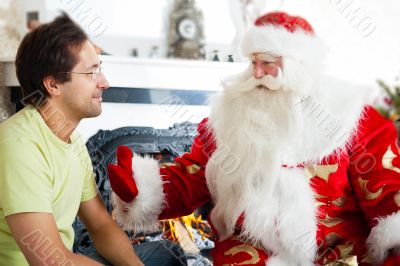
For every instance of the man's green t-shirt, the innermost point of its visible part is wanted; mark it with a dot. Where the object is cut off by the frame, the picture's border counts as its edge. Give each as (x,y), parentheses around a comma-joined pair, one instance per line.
(40,173)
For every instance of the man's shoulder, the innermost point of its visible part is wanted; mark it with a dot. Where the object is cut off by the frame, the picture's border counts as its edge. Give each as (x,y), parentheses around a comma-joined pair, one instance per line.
(19,125)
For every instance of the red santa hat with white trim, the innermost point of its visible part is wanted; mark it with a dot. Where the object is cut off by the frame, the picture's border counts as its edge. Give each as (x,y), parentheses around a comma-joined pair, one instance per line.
(284,35)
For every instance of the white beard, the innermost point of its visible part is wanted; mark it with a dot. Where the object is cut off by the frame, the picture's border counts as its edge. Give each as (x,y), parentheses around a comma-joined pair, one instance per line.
(252,126)
(256,132)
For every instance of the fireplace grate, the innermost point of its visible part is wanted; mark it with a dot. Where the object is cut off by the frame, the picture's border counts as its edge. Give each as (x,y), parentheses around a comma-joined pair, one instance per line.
(162,144)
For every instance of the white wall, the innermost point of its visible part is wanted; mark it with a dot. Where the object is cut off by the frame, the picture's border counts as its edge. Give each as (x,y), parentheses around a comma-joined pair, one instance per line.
(116,115)
(121,25)
(357,52)
(365,45)
(363,35)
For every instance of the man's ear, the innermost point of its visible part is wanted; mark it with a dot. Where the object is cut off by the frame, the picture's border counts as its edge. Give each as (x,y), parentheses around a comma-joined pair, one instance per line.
(51,86)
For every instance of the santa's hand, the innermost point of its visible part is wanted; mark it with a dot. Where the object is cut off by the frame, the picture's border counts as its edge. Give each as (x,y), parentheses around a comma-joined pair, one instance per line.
(121,175)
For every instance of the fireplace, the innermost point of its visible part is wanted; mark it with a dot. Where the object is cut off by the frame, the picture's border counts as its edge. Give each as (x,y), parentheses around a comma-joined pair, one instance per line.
(151,94)
(161,144)
(146,92)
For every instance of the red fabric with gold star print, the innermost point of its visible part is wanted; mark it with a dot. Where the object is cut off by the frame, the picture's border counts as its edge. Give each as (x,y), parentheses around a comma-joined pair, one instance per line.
(349,195)
(235,252)
(375,167)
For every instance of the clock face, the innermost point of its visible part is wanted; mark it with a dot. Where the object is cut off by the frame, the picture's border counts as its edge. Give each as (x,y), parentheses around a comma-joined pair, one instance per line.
(187,28)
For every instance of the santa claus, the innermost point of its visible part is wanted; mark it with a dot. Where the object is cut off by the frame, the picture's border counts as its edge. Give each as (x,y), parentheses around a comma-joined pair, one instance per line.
(299,169)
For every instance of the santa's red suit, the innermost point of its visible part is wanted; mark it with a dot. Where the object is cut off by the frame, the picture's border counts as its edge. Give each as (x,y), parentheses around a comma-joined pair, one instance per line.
(342,209)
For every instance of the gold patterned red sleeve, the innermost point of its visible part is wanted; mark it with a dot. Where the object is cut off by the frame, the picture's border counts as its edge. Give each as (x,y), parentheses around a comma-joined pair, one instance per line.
(375,166)
(374,173)
(184,182)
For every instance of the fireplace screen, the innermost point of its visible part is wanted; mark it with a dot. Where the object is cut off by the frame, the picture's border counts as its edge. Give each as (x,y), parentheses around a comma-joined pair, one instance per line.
(162,144)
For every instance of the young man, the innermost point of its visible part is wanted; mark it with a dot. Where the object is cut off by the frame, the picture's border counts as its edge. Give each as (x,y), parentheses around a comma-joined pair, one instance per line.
(46,176)
(299,170)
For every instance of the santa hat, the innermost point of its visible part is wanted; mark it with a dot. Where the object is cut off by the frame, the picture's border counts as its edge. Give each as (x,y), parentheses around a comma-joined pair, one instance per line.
(284,35)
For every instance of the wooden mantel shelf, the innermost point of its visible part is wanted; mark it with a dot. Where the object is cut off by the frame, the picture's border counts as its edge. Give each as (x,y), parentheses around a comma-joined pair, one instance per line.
(129,72)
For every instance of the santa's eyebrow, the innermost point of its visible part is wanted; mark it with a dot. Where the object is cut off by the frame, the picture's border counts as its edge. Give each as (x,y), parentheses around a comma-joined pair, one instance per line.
(267,57)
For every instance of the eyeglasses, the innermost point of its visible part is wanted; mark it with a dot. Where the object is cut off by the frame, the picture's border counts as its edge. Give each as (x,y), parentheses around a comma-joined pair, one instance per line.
(94,74)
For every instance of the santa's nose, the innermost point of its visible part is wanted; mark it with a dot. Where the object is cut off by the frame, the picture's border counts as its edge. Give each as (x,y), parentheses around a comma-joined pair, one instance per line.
(258,71)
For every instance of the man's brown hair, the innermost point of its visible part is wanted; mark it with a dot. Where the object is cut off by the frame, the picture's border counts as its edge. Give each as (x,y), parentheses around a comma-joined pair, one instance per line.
(49,50)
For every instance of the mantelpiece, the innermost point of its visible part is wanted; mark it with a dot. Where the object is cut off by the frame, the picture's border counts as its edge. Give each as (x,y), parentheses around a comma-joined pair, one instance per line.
(150,92)
(132,72)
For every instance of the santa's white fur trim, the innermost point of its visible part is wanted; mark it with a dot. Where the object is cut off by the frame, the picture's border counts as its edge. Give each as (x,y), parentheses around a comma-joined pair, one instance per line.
(295,229)
(142,213)
(282,260)
(331,116)
(298,45)
(384,236)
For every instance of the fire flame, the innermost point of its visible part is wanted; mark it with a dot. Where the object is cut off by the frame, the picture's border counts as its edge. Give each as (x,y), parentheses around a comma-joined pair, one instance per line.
(189,222)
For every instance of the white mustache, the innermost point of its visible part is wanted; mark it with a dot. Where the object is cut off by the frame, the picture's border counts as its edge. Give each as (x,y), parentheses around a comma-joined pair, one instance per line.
(269,82)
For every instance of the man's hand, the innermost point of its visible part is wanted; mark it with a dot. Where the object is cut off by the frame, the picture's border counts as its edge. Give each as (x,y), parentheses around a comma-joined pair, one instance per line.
(121,175)
(108,238)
